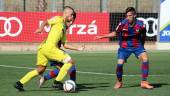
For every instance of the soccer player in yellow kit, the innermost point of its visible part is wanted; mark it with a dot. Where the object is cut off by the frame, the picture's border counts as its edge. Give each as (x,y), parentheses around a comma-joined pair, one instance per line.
(49,51)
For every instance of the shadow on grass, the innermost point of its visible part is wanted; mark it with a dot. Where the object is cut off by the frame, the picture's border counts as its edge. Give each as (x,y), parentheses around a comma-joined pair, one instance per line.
(80,87)
(88,86)
(156,85)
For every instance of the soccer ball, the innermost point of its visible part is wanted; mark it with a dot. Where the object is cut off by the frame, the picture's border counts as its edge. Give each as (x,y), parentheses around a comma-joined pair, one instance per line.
(69,86)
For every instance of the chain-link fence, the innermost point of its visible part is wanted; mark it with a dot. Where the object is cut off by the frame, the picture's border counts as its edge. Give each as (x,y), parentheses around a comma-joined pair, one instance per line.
(20,18)
(142,6)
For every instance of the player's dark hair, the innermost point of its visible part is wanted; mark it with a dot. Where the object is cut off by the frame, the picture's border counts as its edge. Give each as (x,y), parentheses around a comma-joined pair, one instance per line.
(130,9)
(74,14)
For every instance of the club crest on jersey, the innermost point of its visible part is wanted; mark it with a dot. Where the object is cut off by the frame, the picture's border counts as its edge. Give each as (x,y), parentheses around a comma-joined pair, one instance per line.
(124,29)
(137,30)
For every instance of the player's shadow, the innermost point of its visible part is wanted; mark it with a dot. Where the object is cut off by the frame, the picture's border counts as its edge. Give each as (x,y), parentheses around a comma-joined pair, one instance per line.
(42,89)
(80,87)
(88,86)
(156,85)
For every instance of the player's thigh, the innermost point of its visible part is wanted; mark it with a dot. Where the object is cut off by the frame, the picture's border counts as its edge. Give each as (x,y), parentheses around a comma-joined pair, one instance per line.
(123,55)
(59,55)
(41,59)
(141,54)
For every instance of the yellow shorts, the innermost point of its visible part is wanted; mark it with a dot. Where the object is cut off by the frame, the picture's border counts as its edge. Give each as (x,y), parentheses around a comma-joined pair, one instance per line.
(55,54)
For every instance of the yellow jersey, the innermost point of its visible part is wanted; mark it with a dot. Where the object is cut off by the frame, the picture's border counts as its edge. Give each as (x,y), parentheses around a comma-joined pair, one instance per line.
(57,33)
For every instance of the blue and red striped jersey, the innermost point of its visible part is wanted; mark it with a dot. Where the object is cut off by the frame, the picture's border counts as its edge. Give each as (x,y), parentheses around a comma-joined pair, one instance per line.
(130,36)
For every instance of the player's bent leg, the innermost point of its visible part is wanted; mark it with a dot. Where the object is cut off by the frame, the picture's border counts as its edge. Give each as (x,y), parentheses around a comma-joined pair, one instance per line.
(33,73)
(145,70)
(72,73)
(68,62)
(119,69)
(41,63)
(144,66)
(123,55)
(64,69)
(51,74)
(119,73)
(61,56)
(40,69)
(19,85)
(48,76)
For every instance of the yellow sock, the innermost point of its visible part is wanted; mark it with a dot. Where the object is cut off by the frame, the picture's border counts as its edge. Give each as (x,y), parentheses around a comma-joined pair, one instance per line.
(29,76)
(63,71)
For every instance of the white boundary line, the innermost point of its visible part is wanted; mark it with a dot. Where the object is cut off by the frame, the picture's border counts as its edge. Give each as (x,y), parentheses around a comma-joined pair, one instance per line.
(92,73)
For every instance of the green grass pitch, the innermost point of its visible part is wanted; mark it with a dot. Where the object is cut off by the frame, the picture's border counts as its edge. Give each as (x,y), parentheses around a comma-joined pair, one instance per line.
(95,75)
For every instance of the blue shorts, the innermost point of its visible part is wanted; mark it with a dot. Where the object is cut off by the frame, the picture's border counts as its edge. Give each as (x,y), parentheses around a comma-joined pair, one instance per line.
(56,63)
(124,53)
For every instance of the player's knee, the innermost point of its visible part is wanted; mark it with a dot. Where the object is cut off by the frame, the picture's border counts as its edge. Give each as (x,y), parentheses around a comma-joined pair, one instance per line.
(145,59)
(69,60)
(120,61)
(58,67)
(72,61)
(144,56)
(41,69)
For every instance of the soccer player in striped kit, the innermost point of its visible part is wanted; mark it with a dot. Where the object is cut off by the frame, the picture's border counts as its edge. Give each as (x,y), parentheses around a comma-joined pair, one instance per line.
(131,34)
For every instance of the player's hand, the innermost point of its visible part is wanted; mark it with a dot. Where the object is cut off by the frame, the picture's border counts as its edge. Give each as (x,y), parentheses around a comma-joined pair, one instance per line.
(39,31)
(81,48)
(98,37)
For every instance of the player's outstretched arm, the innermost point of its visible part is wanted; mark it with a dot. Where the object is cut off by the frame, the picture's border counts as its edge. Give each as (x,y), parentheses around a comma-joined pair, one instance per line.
(40,29)
(67,46)
(112,34)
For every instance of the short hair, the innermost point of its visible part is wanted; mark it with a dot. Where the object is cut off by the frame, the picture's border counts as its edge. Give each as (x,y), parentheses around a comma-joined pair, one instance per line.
(69,7)
(130,9)
(74,13)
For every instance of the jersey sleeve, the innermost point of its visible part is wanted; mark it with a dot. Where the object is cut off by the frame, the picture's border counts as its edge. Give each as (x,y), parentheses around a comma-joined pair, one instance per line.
(142,27)
(53,20)
(143,32)
(119,27)
(141,24)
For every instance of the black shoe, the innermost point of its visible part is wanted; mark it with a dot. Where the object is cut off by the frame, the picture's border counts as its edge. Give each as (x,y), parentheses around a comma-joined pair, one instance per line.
(58,85)
(19,86)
